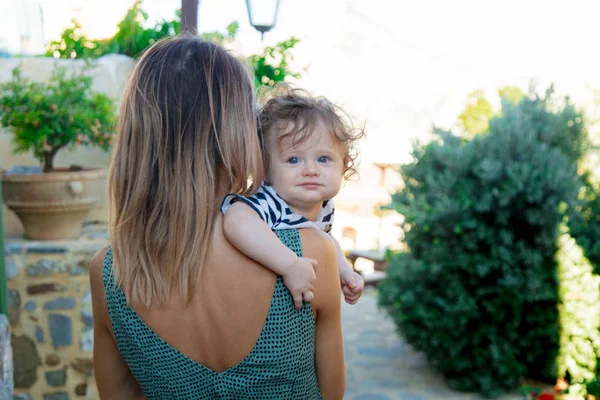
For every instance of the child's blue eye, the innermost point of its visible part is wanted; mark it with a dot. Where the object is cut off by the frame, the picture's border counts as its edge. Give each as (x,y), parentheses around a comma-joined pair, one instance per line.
(293,160)
(323,159)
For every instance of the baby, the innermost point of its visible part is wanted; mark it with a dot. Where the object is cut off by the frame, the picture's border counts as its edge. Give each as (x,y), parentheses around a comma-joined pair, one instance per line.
(309,150)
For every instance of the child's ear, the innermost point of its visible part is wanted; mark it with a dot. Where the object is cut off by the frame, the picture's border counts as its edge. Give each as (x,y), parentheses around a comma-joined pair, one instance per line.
(266,179)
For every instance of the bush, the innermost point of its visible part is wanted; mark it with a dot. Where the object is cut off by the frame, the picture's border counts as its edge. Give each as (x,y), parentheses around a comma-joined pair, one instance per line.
(584,221)
(578,312)
(580,293)
(477,291)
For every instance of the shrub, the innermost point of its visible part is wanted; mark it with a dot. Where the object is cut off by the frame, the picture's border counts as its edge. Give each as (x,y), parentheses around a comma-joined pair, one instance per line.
(477,291)
(580,334)
(584,221)
(578,312)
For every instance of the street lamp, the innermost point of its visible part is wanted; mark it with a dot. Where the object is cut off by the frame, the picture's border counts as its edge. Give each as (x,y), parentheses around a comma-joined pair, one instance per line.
(262,14)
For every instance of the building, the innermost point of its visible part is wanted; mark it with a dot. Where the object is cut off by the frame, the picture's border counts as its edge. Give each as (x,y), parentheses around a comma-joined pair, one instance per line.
(22,27)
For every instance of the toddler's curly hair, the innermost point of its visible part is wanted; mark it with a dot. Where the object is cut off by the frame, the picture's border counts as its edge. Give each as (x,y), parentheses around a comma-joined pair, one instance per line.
(293,113)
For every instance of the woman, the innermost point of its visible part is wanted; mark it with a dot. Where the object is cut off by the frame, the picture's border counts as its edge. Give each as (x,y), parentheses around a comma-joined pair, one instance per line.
(179,313)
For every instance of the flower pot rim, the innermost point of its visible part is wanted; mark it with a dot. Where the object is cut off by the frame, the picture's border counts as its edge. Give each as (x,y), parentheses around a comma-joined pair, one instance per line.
(58,174)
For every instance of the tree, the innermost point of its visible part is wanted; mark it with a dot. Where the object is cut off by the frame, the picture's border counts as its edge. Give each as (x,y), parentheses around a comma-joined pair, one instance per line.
(270,66)
(476,116)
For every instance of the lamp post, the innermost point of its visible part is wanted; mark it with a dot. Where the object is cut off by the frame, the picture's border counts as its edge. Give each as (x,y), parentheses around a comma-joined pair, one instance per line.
(262,14)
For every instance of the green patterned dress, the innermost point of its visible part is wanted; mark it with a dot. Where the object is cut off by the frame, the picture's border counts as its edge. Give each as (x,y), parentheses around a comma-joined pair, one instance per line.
(280,366)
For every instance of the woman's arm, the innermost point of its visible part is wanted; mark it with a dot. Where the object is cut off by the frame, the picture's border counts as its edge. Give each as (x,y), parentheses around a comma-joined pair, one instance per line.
(329,347)
(113,378)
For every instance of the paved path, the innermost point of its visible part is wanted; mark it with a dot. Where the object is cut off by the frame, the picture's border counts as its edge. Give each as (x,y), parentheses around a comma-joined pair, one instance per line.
(380,366)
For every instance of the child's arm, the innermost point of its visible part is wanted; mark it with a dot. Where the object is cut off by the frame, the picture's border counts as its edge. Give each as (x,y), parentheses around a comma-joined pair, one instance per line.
(343,265)
(253,237)
(352,283)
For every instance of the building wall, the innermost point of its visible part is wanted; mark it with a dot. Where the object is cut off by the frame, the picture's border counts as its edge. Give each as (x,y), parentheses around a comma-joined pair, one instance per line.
(21,27)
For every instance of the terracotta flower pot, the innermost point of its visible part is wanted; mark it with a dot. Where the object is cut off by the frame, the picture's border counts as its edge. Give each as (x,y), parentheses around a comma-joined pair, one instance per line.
(53,205)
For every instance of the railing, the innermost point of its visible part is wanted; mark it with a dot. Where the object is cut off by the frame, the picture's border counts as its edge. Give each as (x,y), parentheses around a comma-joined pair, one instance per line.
(3,288)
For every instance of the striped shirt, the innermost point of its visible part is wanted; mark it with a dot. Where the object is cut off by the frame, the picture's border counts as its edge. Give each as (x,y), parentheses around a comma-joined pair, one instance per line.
(277,214)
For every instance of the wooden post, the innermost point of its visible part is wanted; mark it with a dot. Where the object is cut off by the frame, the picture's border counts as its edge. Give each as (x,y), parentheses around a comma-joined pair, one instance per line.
(189,16)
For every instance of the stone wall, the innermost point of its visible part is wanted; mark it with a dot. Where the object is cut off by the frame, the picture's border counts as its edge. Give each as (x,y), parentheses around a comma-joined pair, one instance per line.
(50,315)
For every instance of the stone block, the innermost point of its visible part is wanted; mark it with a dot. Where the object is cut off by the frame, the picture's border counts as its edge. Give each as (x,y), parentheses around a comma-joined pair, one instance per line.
(81,389)
(84,366)
(11,267)
(45,267)
(52,360)
(87,339)
(42,288)
(25,361)
(61,303)
(22,396)
(61,330)
(39,334)
(6,360)
(30,306)
(46,248)
(14,306)
(56,378)
(56,396)
(13,248)
(86,310)
(76,270)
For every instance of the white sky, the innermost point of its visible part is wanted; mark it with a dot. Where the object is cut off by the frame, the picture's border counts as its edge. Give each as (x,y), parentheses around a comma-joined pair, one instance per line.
(400,65)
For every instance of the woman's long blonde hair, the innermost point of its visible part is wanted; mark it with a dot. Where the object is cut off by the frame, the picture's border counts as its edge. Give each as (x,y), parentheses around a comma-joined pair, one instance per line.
(187,119)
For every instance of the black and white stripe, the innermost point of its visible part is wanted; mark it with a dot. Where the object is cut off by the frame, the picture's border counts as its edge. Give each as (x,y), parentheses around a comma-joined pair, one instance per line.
(277,214)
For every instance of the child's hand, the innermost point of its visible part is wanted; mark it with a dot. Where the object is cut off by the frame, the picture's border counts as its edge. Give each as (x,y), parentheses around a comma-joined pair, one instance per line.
(299,280)
(352,287)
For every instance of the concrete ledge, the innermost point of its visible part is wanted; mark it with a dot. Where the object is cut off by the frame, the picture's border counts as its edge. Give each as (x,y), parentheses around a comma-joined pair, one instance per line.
(6,360)
(372,278)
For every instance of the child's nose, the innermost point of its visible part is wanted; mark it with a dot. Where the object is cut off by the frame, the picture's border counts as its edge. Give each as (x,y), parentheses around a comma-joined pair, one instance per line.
(310,170)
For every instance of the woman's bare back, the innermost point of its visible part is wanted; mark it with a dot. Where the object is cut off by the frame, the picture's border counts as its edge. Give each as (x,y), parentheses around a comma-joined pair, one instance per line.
(223,322)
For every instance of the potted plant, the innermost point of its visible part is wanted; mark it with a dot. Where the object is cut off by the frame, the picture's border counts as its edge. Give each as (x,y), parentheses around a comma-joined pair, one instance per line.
(46,117)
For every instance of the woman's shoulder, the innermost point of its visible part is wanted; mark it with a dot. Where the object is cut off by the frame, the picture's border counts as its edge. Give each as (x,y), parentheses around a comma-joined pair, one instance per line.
(317,241)
(97,286)
(319,246)
(97,265)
